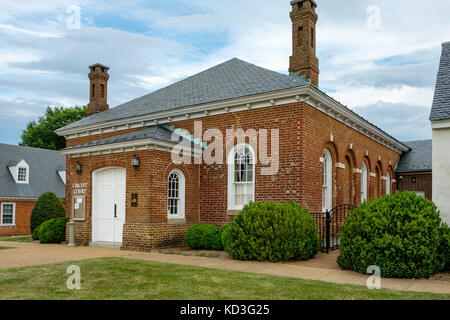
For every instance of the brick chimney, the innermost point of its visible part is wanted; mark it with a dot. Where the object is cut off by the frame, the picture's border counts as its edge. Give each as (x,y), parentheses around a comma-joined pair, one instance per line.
(303,60)
(98,89)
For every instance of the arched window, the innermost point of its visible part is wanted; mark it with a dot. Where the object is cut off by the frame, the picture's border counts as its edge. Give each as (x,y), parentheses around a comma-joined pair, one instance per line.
(327,181)
(364,175)
(388,182)
(176,195)
(241,177)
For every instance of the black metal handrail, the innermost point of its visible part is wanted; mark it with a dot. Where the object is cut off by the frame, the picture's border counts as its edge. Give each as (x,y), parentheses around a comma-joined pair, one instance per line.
(329,225)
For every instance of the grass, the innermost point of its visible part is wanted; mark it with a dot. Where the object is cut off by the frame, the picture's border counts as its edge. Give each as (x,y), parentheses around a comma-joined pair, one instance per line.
(116,278)
(17,239)
(4,248)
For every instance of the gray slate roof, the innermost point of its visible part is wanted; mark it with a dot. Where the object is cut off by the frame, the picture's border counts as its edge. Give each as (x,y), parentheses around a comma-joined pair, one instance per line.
(154,132)
(44,167)
(418,159)
(232,79)
(441,102)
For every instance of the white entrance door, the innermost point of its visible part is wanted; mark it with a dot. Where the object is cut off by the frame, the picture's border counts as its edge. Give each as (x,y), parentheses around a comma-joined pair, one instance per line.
(108,204)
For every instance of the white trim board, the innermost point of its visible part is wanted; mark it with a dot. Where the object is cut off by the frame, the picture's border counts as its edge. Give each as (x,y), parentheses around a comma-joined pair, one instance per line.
(308,94)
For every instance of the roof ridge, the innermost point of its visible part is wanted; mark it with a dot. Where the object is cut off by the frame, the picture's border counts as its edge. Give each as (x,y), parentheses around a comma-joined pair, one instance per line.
(27,147)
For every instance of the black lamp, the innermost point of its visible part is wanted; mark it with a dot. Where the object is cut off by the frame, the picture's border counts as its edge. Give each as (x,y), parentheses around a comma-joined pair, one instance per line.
(135,162)
(78,167)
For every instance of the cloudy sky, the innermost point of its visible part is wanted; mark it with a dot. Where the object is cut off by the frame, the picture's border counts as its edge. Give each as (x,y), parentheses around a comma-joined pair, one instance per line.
(378,57)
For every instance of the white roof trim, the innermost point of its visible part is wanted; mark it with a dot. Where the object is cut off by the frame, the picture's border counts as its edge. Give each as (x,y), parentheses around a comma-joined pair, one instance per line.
(308,94)
(128,146)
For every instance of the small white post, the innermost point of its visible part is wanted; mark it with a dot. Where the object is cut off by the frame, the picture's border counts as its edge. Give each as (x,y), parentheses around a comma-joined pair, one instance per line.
(71,234)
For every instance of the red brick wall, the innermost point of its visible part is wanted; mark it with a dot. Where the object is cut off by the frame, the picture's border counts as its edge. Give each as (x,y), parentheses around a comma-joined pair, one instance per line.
(22,219)
(149,182)
(423,183)
(304,133)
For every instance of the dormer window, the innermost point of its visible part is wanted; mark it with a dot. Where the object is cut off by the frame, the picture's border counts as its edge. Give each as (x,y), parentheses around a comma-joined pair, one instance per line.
(22,175)
(21,172)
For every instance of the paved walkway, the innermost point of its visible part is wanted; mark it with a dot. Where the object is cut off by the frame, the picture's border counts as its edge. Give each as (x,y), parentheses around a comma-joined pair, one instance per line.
(27,254)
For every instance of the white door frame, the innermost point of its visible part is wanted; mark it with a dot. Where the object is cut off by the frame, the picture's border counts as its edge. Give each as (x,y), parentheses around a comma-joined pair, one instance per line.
(94,215)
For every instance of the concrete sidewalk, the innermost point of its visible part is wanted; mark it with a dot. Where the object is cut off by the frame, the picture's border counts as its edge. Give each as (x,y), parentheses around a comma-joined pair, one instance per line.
(27,254)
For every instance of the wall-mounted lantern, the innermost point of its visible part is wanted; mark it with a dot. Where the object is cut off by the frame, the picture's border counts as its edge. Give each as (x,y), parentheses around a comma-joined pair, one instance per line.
(135,162)
(414,179)
(78,167)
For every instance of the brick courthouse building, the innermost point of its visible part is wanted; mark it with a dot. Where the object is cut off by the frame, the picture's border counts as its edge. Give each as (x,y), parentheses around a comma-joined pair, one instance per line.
(124,188)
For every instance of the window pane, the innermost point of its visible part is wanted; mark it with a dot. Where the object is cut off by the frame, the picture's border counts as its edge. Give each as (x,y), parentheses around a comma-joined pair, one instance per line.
(7,214)
(22,176)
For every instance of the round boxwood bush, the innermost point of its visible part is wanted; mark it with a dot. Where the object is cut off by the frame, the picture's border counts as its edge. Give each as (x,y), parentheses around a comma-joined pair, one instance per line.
(48,206)
(204,237)
(402,234)
(35,234)
(53,230)
(277,232)
(225,236)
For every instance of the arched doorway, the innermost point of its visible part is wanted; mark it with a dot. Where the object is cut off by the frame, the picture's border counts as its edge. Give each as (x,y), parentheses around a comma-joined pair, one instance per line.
(108,204)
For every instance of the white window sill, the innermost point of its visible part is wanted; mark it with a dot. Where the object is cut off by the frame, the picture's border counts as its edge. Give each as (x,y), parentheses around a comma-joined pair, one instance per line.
(7,225)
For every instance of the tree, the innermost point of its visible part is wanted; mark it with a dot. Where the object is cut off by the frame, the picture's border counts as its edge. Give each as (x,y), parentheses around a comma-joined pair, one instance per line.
(48,206)
(42,134)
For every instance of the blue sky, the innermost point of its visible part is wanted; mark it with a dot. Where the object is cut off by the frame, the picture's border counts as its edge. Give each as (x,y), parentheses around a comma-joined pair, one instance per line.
(378,57)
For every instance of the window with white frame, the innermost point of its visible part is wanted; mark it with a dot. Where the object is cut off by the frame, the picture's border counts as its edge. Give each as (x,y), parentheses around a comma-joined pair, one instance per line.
(241,177)
(22,174)
(364,176)
(327,185)
(8,214)
(176,195)
(388,183)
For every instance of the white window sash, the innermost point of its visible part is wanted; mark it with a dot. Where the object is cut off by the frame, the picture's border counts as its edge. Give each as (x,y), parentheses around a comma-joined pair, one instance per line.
(13,214)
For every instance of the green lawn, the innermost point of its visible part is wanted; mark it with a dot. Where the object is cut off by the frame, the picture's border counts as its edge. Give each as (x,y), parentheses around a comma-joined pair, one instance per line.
(115,278)
(4,248)
(17,239)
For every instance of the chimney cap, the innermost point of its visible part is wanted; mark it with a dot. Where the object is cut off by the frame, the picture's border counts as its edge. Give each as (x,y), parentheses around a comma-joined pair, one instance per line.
(98,65)
(297,1)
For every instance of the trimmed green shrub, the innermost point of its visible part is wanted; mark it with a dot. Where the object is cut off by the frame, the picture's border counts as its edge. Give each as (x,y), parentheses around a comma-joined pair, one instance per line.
(277,232)
(53,230)
(35,234)
(402,234)
(444,248)
(204,237)
(47,207)
(225,236)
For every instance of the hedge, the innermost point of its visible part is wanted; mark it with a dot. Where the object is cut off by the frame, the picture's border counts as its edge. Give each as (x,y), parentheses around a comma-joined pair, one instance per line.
(270,231)
(48,206)
(53,230)
(204,237)
(402,234)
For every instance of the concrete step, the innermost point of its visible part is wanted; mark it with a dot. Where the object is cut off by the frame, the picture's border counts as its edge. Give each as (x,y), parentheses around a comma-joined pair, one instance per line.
(107,245)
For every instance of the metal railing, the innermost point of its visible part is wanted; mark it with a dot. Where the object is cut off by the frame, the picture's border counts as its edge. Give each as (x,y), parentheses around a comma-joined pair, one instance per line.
(329,225)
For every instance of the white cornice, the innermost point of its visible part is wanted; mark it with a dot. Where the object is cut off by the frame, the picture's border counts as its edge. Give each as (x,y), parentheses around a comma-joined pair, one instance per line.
(129,146)
(307,94)
(442,124)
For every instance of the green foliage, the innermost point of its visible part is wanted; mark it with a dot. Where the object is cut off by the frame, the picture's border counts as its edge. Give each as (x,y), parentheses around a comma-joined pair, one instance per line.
(444,248)
(402,234)
(225,236)
(41,134)
(35,234)
(53,230)
(277,232)
(203,237)
(47,207)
